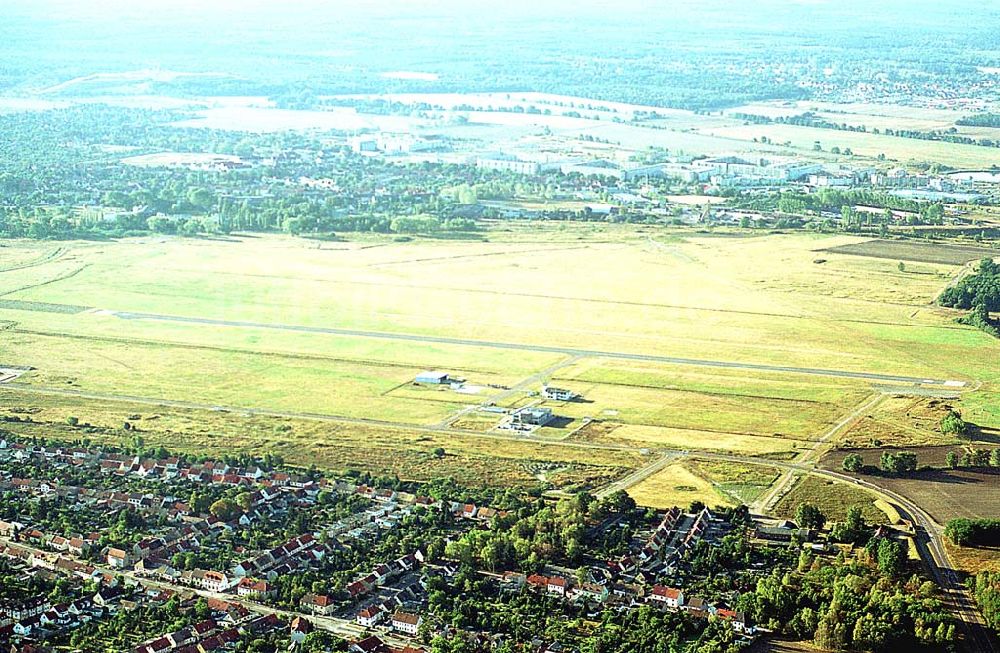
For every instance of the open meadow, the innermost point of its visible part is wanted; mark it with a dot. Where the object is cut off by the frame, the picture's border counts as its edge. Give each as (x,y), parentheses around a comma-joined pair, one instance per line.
(679,340)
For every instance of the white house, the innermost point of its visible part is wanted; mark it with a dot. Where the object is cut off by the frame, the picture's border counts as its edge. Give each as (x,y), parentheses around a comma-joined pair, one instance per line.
(370,616)
(668,596)
(558,394)
(406,622)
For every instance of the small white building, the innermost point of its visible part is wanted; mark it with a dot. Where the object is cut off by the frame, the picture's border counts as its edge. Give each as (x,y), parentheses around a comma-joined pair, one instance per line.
(558,394)
(370,616)
(406,622)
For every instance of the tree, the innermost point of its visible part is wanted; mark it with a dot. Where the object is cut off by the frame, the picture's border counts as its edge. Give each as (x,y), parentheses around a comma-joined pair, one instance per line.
(201,198)
(809,516)
(852,529)
(439,452)
(890,557)
(853,463)
(899,462)
(959,531)
(953,424)
(995,458)
(161,224)
(224,509)
(245,501)
(952,459)
(901,266)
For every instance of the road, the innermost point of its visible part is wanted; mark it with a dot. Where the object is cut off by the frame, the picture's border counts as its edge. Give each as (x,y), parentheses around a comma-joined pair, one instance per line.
(640,474)
(766,502)
(566,351)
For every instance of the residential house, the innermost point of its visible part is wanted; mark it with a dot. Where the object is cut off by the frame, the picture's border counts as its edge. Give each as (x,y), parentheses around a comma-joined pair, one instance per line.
(371,615)
(557,585)
(254,588)
(318,604)
(669,597)
(369,645)
(591,592)
(299,629)
(406,622)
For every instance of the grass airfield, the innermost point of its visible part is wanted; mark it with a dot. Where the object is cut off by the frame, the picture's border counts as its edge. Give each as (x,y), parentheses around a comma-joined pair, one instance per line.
(295,331)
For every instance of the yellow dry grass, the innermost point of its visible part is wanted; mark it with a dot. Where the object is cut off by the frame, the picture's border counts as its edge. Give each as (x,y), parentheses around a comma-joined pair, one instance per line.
(676,485)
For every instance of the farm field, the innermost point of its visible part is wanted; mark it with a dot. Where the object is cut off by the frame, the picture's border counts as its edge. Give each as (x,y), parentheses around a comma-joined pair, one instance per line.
(944,493)
(906,251)
(657,343)
(880,117)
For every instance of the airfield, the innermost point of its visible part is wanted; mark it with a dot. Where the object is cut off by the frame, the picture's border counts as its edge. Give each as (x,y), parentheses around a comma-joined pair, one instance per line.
(683,341)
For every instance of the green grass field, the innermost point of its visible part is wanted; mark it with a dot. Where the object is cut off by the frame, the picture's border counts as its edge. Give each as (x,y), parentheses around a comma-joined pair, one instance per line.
(755,299)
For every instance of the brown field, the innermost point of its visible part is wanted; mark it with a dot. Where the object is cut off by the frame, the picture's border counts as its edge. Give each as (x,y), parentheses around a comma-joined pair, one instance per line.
(944,493)
(898,250)
(947,494)
(972,560)
(766,645)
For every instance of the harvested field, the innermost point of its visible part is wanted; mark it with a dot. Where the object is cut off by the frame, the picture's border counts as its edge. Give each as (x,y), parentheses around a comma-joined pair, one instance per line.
(944,493)
(899,250)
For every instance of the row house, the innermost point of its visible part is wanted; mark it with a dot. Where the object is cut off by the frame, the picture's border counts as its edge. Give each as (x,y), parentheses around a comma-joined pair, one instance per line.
(591,592)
